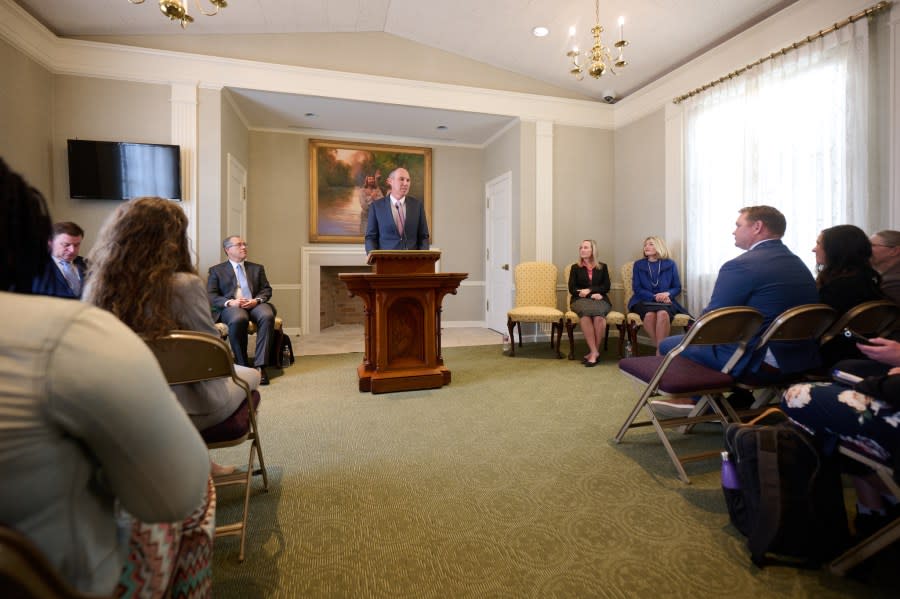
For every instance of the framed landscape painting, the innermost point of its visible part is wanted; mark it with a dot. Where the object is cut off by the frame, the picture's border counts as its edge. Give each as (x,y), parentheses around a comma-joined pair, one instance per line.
(346,177)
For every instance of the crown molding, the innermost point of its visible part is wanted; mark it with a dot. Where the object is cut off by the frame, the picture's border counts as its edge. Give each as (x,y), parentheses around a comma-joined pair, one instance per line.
(113,61)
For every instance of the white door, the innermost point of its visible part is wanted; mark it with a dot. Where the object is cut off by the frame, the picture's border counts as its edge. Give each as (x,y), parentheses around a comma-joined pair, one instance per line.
(236,223)
(498,251)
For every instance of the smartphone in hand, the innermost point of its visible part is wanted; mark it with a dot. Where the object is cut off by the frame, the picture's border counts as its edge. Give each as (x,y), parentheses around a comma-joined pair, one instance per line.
(856,337)
(845,378)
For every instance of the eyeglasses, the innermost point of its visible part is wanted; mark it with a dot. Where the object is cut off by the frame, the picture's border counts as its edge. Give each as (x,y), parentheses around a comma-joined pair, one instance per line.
(881,245)
(241,244)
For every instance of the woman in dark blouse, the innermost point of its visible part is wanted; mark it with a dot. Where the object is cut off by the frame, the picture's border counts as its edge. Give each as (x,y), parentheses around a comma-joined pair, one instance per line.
(589,286)
(845,279)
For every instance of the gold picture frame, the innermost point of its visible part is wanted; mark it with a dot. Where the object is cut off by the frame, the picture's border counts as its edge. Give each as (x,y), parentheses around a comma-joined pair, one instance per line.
(345,176)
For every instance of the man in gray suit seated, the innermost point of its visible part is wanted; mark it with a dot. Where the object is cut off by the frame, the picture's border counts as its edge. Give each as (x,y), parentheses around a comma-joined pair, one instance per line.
(239,293)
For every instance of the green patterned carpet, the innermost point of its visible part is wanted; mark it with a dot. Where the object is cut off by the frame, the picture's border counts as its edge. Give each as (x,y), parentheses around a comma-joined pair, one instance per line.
(506,484)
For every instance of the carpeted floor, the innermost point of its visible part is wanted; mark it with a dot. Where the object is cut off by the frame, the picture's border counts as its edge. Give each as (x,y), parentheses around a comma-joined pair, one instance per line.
(506,483)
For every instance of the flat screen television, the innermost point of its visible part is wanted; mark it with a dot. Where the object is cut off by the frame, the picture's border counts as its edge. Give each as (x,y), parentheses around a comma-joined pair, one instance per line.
(111,170)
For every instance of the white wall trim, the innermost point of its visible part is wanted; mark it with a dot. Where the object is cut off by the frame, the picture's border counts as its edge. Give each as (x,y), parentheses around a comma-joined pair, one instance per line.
(128,63)
(185,133)
(543,191)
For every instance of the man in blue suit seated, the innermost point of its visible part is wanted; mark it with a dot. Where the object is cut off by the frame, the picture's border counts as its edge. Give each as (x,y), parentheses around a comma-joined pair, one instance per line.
(63,275)
(767,277)
(397,221)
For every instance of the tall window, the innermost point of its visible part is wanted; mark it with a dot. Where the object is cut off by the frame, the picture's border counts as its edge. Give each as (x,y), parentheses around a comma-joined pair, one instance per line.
(791,133)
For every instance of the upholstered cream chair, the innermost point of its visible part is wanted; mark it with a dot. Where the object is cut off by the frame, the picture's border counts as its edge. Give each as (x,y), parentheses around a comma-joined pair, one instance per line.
(275,356)
(613,319)
(535,302)
(633,321)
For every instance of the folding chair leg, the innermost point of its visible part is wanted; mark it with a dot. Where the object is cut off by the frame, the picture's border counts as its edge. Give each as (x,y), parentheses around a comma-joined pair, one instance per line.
(869,547)
(676,461)
(262,464)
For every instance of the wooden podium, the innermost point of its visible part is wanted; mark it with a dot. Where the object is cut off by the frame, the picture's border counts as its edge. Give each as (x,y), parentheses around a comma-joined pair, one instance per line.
(402,297)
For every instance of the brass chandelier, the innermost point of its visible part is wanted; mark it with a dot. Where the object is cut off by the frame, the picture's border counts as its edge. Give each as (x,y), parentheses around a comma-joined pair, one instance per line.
(599,57)
(177,10)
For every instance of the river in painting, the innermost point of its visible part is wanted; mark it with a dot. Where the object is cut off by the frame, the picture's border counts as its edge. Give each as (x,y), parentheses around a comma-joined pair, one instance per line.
(340,213)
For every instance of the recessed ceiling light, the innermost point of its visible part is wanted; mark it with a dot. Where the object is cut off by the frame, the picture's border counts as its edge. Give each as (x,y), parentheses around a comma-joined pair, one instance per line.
(442,127)
(310,115)
(540,31)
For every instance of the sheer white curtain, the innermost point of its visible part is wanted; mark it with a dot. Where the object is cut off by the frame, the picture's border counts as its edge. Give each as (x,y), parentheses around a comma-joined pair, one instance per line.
(791,133)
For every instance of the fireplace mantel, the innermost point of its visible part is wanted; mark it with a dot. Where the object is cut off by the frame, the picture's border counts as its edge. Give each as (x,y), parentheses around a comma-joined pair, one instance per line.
(312,259)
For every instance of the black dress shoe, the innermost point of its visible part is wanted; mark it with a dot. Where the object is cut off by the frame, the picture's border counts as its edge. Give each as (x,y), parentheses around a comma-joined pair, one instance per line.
(263,377)
(591,364)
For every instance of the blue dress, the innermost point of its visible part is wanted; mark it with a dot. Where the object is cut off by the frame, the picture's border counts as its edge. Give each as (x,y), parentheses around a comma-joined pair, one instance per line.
(649,278)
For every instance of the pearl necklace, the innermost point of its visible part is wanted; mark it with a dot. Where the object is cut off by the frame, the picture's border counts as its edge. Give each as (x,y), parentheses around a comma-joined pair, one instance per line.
(658,271)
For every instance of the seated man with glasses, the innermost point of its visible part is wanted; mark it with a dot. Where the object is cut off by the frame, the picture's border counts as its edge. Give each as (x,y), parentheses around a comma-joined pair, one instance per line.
(239,293)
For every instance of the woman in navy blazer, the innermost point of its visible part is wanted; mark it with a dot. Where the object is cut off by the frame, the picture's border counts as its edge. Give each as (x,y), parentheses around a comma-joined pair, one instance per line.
(655,283)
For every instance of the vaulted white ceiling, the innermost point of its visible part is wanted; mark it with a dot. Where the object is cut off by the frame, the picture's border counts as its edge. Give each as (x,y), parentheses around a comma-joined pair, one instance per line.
(663,35)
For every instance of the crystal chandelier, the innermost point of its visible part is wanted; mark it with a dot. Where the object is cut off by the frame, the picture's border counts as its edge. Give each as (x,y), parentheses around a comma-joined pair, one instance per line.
(177,10)
(599,56)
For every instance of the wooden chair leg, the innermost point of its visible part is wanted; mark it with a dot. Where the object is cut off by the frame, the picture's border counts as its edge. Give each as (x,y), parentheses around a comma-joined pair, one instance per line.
(511,327)
(570,330)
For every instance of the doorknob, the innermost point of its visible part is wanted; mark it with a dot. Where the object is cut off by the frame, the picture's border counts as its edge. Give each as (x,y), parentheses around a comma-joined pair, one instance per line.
(505,267)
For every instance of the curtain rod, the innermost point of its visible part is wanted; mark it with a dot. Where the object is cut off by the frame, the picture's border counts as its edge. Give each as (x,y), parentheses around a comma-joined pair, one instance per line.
(809,38)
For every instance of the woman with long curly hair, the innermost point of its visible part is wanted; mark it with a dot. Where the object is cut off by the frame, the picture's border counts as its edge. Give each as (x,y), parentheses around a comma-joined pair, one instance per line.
(141,271)
(845,279)
(89,430)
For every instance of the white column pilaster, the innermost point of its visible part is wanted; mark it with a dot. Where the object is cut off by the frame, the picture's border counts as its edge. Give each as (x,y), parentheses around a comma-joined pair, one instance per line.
(543,186)
(185,133)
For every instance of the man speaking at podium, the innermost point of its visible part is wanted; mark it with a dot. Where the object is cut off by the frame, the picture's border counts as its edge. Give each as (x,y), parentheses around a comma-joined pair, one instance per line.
(397,221)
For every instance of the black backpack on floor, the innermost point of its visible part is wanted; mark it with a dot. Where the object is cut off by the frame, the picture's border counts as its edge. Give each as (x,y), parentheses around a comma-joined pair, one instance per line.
(790,504)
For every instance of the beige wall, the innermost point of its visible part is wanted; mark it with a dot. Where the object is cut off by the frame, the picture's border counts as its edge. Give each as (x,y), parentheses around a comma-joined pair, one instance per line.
(104,110)
(458,227)
(582,193)
(640,186)
(278,218)
(26,101)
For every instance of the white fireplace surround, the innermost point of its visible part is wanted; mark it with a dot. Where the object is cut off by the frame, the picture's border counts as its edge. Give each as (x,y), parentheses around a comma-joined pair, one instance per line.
(312,259)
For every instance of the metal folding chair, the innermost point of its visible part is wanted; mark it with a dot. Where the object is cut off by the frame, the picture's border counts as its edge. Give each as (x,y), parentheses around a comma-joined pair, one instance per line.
(192,357)
(674,376)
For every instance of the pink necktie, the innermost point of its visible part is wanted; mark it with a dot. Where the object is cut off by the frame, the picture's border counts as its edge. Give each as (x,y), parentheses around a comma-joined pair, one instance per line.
(399,220)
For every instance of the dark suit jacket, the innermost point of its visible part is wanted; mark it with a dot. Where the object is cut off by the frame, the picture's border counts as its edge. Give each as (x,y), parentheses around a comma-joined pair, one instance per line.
(222,283)
(771,279)
(381,230)
(52,281)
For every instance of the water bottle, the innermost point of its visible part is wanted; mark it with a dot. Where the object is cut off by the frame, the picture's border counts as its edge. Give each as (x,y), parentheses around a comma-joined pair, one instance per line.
(729,473)
(285,356)
(629,351)
(505,343)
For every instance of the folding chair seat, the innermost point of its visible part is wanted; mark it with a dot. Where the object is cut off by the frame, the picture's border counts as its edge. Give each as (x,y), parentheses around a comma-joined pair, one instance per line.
(633,322)
(800,323)
(535,302)
(613,319)
(888,534)
(192,357)
(675,376)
